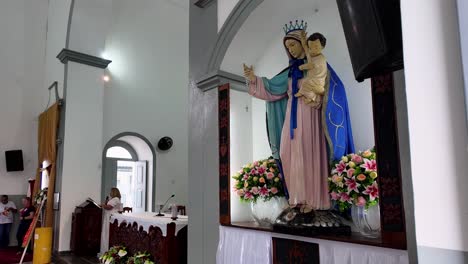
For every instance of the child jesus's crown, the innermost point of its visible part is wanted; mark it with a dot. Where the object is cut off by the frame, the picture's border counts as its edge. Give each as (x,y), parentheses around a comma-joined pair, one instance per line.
(293,27)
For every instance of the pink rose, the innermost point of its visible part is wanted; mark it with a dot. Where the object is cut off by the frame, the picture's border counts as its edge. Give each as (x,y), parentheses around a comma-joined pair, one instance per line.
(270,175)
(334,178)
(350,172)
(272,169)
(361,177)
(356,158)
(255,190)
(274,190)
(240,192)
(367,154)
(246,177)
(361,201)
(255,163)
(262,180)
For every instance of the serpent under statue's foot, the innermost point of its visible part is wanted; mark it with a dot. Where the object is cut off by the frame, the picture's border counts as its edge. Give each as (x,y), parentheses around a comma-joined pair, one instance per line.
(302,220)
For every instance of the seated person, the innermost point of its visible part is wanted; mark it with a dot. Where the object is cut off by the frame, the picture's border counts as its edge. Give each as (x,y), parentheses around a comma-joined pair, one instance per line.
(26,215)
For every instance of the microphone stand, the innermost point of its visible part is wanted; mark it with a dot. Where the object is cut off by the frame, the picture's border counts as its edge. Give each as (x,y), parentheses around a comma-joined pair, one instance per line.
(159,213)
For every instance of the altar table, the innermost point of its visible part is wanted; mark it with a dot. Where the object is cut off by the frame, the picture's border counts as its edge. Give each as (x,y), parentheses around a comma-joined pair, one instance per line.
(243,246)
(162,237)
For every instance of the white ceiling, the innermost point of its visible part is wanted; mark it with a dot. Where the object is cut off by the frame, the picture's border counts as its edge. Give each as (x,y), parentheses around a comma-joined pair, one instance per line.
(263,26)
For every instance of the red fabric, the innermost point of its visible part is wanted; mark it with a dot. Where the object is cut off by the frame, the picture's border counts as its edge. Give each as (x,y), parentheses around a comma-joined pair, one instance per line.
(9,256)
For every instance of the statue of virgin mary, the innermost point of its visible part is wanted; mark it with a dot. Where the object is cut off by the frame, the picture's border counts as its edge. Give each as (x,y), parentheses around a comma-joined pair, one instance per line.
(304,139)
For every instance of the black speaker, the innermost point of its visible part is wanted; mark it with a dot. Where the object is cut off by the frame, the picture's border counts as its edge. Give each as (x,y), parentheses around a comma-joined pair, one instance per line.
(373,33)
(165,143)
(14,160)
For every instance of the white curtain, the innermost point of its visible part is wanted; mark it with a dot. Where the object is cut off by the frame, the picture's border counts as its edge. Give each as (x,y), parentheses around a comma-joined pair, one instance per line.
(242,246)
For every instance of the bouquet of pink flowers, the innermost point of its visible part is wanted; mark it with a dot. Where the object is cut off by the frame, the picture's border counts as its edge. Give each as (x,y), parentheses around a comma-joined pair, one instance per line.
(260,179)
(354,180)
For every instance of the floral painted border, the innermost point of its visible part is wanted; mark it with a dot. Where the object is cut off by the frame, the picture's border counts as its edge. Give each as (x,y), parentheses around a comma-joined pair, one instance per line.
(224,157)
(388,159)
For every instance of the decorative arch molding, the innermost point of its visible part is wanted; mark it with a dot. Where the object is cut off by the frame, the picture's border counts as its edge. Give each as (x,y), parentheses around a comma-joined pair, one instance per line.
(123,144)
(114,141)
(233,23)
(123,134)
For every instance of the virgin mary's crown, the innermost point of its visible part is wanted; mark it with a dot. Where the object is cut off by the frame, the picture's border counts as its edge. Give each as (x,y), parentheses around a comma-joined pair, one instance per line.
(294,26)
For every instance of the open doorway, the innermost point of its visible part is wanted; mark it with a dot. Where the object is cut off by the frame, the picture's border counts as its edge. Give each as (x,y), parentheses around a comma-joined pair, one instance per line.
(128,164)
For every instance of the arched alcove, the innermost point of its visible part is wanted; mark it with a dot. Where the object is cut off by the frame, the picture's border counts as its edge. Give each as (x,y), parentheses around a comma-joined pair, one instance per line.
(140,153)
(252,35)
(266,53)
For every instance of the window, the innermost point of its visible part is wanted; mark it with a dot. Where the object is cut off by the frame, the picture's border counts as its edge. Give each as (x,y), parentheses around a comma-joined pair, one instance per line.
(118,152)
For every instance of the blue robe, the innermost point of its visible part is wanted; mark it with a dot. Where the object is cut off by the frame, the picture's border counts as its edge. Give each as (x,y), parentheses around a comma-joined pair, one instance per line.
(336,121)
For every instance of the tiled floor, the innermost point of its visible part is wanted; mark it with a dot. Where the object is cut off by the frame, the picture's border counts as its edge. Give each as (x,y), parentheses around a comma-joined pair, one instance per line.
(73,260)
(76,260)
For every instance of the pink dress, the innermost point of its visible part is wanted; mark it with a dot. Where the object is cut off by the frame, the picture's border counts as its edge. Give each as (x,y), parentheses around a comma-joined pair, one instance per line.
(304,158)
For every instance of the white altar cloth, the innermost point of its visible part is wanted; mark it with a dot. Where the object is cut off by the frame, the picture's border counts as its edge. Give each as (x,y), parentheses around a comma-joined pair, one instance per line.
(242,246)
(148,219)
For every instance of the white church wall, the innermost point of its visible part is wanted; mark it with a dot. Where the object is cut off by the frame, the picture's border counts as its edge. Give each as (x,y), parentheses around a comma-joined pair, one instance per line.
(224,9)
(23,96)
(57,26)
(81,175)
(147,93)
(241,144)
(437,125)
(82,149)
(261,146)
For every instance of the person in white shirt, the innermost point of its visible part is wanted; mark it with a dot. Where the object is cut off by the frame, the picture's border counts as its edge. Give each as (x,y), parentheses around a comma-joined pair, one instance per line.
(7,209)
(110,207)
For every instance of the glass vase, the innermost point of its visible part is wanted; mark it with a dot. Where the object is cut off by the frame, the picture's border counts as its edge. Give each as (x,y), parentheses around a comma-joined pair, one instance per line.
(367,221)
(266,212)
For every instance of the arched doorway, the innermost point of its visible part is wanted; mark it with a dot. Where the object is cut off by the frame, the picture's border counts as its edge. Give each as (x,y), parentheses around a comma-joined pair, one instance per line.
(128,163)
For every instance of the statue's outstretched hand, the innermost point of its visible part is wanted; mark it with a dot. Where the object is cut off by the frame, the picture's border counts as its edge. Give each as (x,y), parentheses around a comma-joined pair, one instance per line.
(249,72)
